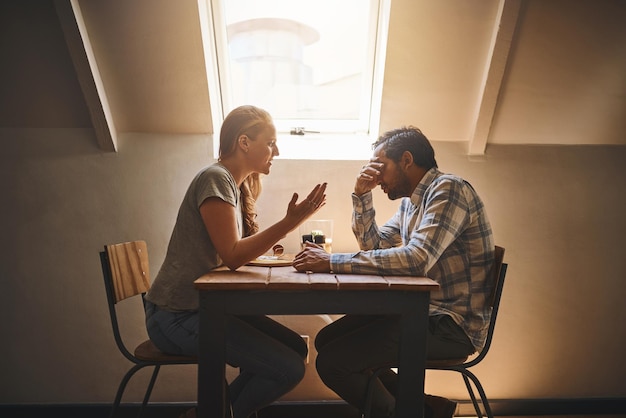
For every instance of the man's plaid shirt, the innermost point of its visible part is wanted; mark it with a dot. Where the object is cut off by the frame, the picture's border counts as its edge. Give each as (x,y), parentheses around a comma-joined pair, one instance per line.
(441,232)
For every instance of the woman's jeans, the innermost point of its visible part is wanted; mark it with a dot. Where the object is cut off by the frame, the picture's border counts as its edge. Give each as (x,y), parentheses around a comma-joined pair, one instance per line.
(351,348)
(270,356)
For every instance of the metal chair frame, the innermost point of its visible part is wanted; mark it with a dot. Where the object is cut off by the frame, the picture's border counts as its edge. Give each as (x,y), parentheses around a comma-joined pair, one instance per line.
(462,365)
(145,354)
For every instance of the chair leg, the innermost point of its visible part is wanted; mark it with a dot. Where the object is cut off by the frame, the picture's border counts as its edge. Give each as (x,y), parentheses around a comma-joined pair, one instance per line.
(146,397)
(122,387)
(472,397)
(467,375)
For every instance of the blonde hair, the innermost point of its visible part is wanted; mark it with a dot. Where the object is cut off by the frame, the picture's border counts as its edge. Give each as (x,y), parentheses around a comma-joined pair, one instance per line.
(250,121)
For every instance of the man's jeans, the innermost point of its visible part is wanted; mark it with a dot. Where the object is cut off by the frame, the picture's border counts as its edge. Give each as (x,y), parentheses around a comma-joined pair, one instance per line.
(349,349)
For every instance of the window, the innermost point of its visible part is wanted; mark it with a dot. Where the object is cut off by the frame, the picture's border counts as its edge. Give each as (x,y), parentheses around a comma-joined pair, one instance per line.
(316,66)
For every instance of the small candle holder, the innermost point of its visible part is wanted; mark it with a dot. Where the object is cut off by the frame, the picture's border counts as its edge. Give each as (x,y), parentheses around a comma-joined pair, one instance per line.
(319,232)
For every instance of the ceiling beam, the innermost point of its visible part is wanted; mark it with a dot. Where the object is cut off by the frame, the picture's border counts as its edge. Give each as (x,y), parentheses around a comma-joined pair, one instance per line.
(79,45)
(497,58)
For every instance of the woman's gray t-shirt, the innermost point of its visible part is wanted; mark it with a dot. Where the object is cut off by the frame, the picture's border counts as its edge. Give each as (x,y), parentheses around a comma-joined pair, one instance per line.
(190,252)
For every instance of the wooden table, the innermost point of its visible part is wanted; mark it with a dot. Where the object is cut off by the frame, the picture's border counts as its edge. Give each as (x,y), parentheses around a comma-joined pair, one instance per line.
(252,290)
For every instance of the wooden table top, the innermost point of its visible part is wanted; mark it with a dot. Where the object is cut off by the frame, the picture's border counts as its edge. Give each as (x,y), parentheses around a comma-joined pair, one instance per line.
(287,278)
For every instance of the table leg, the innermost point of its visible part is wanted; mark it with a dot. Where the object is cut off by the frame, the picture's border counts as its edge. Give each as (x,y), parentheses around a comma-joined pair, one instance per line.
(412,360)
(211,362)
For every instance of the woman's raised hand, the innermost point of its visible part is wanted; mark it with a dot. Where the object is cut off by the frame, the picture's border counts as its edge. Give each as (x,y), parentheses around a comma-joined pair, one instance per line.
(311,204)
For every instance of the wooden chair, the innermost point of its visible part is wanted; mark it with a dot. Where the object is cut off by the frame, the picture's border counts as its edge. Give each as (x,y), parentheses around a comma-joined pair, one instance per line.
(462,365)
(126,274)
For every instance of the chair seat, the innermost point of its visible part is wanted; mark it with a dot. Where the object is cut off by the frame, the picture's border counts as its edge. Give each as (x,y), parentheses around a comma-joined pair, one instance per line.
(446,362)
(147,351)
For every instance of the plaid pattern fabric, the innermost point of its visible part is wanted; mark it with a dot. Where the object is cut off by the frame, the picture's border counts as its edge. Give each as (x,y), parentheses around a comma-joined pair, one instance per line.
(442,232)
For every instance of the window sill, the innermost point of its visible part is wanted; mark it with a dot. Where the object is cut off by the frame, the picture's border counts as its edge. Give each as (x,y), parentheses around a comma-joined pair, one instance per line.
(325,147)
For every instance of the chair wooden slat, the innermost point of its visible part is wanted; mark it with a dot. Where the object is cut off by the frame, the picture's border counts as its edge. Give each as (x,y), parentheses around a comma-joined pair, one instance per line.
(147,351)
(130,268)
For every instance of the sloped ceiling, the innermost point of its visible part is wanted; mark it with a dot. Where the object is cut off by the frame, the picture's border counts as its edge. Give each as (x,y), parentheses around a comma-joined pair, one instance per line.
(488,71)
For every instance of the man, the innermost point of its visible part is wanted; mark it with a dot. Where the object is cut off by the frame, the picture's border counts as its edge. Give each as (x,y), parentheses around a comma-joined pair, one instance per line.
(440,231)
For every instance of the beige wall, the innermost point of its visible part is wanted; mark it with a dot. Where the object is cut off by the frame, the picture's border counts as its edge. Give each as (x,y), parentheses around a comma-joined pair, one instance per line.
(559,211)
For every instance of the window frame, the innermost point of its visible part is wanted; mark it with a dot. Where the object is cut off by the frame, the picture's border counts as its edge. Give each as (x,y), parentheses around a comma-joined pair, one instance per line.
(327,143)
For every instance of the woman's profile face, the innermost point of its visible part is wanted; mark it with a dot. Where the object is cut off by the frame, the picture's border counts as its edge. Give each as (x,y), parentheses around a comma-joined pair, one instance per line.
(263,149)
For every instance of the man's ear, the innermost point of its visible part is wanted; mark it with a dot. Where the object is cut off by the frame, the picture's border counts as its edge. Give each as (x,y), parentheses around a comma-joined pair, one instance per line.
(244,142)
(406,160)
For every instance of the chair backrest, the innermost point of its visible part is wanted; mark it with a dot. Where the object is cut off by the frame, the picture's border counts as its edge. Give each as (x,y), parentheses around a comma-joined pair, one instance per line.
(497,277)
(126,274)
(498,273)
(130,270)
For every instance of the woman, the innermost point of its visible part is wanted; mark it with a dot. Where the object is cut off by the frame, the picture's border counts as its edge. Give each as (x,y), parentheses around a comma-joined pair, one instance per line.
(216,226)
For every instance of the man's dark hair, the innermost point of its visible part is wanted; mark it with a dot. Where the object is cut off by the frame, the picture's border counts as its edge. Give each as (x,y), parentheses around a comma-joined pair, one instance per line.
(407,138)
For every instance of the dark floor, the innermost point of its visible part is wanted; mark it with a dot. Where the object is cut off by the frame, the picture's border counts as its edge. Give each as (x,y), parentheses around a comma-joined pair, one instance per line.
(317,410)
